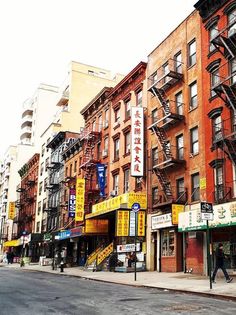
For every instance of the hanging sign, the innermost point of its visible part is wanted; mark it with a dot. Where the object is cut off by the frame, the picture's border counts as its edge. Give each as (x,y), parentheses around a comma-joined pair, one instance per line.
(79,205)
(71,205)
(122,223)
(12,210)
(141,223)
(101,178)
(137,141)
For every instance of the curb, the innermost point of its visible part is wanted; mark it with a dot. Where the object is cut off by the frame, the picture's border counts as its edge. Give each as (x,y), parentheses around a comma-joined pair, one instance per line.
(204,294)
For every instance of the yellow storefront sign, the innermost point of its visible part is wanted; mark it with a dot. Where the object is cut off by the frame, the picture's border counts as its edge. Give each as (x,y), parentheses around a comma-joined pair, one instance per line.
(122,223)
(96,226)
(79,204)
(12,243)
(176,209)
(125,200)
(141,223)
(11,210)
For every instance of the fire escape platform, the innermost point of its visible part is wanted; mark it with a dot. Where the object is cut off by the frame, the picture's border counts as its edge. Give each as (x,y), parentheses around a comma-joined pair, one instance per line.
(169,163)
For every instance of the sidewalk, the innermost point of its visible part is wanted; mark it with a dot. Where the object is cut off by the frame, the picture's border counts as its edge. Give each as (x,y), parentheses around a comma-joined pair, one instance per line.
(171,281)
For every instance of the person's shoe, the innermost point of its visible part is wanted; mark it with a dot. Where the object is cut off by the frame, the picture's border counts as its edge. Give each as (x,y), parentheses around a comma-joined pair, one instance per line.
(213,281)
(229,280)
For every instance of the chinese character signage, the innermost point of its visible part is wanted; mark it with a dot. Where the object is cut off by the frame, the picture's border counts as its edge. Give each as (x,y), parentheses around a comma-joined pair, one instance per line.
(101,178)
(176,209)
(137,141)
(96,226)
(122,223)
(11,212)
(141,223)
(71,206)
(79,204)
(161,221)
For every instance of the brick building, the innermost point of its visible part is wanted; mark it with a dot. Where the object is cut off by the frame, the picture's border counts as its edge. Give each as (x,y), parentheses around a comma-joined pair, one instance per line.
(175,147)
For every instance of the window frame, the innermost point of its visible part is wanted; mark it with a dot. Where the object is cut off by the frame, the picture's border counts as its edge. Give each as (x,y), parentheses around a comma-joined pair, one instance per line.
(195,190)
(193,102)
(192,57)
(193,141)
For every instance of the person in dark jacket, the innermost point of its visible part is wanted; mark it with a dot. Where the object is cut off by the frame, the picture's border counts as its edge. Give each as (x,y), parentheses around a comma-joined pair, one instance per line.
(220,263)
(113,259)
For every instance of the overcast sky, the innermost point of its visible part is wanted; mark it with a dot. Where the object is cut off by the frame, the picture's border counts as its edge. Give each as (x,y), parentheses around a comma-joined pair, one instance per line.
(40,37)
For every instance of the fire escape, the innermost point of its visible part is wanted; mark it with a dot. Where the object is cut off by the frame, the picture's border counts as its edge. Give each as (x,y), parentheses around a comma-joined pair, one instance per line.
(168,114)
(224,137)
(89,137)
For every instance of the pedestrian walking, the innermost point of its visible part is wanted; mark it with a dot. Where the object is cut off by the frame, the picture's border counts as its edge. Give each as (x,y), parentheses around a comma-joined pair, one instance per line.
(220,263)
(8,258)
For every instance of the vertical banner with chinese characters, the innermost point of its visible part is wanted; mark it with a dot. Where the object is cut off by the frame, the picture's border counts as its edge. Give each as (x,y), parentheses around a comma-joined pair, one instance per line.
(11,212)
(137,141)
(71,206)
(141,223)
(101,178)
(122,223)
(79,204)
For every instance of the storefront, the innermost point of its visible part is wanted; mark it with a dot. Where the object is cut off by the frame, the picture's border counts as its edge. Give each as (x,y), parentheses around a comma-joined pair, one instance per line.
(222,230)
(121,223)
(167,244)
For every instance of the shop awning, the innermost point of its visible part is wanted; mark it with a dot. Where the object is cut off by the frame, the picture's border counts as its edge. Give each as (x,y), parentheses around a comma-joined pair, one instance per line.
(12,243)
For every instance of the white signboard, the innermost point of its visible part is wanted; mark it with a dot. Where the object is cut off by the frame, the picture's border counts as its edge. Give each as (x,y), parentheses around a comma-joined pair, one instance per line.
(132,223)
(137,141)
(224,215)
(207,216)
(128,248)
(161,221)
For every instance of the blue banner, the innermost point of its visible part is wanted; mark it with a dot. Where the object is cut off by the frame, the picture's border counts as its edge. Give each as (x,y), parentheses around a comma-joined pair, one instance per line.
(71,205)
(101,178)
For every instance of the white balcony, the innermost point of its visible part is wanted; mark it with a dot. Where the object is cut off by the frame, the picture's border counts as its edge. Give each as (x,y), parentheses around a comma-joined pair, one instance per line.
(26,120)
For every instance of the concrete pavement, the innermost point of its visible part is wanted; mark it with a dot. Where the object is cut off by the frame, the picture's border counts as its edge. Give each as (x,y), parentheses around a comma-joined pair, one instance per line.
(170,281)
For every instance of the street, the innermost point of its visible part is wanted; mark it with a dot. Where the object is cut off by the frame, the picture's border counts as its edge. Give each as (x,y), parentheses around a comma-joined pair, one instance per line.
(30,292)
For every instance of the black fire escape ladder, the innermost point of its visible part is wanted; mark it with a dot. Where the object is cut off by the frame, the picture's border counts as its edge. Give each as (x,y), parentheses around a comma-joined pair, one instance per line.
(164,181)
(160,132)
(229,92)
(229,45)
(231,149)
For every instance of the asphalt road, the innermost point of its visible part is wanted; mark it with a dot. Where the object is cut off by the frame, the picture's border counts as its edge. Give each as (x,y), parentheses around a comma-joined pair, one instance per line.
(25,292)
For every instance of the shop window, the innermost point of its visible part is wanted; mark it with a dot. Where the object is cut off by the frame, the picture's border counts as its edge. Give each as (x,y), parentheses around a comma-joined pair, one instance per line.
(179,103)
(168,243)
(195,193)
(192,53)
(194,141)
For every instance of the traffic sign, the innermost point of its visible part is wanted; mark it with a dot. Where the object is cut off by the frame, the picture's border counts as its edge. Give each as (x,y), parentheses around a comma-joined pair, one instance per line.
(135,207)
(206,207)
(207,216)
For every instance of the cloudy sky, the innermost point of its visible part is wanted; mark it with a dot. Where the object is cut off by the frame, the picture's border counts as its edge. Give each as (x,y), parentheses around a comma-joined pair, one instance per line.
(40,37)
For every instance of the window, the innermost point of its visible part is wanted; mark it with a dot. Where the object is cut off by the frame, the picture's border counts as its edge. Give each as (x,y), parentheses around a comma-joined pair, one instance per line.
(179,103)
(217,128)
(180,189)
(117,116)
(41,168)
(193,95)
(178,63)
(70,174)
(40,188)
(234,123)
(180,147)
(126,180)
(116,149)
(232,22)
(47,144)
(127,109)
(139,98)
(194,140)
(213,32)
(153,78)
(165,70)
(43,150)
(45,184)
(39,207)
(127,143)
(116,183)
(138,183)
(100,123)
(44,204)
(232,65)
(106,122)
(168,243)
(75,166)
(99,152)
(66,172)
(38,227)
(195,194)
(215,79)
(106,144)
(154,116)
(154,195)
(94,125)
(219,183)
(192,53)
(46,163)
(154,156)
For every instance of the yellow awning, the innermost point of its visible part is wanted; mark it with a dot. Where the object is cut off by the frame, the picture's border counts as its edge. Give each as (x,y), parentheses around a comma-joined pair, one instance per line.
(12,243)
